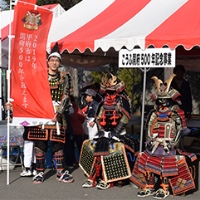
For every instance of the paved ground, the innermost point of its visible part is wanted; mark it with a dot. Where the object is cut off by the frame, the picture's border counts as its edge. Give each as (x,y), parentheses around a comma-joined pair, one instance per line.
(23,189)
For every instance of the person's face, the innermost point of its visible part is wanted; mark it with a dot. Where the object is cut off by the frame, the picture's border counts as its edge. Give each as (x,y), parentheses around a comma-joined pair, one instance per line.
(53,63)
(88,98)
(8,107)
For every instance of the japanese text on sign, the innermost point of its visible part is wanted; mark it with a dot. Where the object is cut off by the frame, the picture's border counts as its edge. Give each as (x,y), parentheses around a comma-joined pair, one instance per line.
(154,57)
(26,55)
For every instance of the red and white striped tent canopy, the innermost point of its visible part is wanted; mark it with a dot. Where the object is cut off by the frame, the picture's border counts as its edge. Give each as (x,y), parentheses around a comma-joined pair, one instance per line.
(92,27)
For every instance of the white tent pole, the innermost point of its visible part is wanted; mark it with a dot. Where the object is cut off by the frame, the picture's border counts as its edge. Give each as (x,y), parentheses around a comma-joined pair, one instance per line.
(8,99)
(12,2)
(143,104)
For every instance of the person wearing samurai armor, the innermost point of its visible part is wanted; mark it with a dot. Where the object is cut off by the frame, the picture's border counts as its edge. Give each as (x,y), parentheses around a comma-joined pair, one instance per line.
(162,167)
(104,159)
(60,88)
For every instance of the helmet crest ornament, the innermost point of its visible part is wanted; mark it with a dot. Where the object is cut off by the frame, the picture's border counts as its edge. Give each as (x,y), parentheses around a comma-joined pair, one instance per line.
(163,88)
(110,81)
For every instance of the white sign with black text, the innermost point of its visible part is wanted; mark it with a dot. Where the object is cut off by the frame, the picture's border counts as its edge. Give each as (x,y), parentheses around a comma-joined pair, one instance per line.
(153,57)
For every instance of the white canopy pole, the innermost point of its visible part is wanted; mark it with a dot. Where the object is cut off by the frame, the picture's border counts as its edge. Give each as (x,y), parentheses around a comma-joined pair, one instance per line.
(8,99)
(143,105)
(12,3)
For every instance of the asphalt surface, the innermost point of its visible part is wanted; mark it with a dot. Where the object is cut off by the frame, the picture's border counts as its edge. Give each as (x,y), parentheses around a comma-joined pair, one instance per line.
(22,188)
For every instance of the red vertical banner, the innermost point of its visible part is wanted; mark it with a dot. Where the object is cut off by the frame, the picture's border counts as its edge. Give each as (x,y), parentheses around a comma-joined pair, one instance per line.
(30,1)
(29,80)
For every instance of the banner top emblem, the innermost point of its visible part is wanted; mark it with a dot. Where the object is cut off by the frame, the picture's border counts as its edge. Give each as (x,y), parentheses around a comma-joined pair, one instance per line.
(32,20)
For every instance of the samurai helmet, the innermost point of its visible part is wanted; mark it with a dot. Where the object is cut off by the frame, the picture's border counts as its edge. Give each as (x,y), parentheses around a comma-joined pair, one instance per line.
(164,91)
(110,81)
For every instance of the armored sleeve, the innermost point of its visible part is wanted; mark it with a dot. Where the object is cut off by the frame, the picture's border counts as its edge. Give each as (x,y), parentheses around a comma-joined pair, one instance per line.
(151,124)
(179,124)
(65,101)
(125,111)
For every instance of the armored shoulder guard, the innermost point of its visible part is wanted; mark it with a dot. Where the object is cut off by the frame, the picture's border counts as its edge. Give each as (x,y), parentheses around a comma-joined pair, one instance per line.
(125,111)
(125,105)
